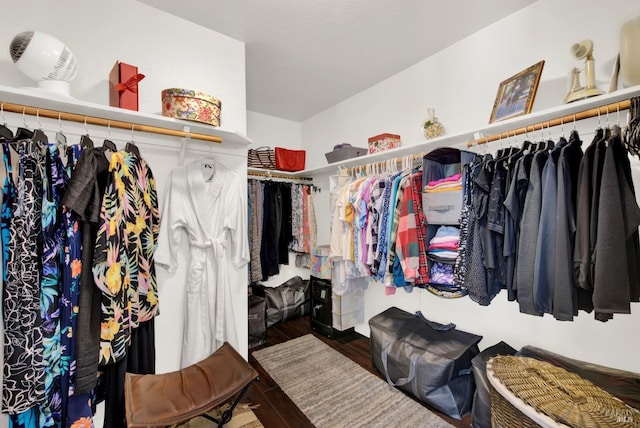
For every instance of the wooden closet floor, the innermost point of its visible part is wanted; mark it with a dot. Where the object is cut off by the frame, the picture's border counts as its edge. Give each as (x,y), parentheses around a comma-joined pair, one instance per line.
(275,409)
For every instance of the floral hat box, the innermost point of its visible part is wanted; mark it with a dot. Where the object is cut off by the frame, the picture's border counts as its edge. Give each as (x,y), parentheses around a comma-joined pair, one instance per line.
(191,105)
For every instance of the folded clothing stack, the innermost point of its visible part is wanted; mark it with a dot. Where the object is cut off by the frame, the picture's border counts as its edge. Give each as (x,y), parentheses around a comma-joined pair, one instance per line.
(443,247)
(447,184)
(443,251)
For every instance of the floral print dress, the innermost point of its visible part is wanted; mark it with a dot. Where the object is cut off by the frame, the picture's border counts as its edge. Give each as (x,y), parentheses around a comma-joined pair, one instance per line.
(76,409)
(123,268)
(24,374)
(54,182)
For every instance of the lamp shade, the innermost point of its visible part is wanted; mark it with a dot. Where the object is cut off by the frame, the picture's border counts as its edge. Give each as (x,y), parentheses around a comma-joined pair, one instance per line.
(42,57)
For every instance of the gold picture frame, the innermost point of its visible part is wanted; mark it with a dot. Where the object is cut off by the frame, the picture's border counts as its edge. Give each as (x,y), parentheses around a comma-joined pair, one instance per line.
(516,94)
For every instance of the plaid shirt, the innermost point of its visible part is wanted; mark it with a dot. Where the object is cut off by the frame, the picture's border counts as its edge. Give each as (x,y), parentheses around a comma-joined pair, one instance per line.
(411,245)
(375,207)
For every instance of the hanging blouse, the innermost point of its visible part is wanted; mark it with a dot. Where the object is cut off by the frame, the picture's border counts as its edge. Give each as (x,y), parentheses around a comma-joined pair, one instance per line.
(123,268)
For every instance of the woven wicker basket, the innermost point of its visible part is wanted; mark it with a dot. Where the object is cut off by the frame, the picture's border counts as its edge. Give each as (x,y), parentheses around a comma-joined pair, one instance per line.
(565,397)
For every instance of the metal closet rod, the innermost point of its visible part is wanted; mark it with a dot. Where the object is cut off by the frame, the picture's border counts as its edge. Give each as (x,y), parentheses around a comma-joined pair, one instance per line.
(100,121)
(276,175)
(558,121)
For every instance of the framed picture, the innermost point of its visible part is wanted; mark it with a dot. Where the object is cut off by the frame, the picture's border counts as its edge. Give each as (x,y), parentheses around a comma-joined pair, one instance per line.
(516,94)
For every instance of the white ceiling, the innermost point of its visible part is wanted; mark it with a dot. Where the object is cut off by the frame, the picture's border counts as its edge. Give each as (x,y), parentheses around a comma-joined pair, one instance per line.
(303,56)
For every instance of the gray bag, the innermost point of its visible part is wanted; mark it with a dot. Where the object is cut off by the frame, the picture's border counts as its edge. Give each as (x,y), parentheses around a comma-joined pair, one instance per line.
(481,413)
(289,300)
(257,321)
(428,360)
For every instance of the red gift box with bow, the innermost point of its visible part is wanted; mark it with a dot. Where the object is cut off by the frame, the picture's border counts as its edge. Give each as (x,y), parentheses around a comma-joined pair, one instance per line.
(123,86)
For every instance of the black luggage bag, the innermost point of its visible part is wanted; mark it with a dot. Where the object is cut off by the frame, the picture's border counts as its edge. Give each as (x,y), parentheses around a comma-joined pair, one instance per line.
(290,300)
(428,360)
(257,321)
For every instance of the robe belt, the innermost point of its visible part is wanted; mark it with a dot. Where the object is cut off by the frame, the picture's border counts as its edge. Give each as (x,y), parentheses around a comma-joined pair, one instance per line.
(198,272)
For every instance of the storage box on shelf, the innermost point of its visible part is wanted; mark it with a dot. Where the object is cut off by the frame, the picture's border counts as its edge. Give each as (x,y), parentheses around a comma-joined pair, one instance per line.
(383,142)
(193,105)
(123,86)
(343,152)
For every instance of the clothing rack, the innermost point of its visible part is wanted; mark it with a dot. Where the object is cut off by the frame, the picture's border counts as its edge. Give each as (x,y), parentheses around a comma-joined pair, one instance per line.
(100,121)
(383,164)
(558,121)
(268,175)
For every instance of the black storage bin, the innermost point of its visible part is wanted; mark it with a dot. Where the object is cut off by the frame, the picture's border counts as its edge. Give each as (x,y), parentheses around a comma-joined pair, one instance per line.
(322,309)
(257,321)
(290,300)
(481,413)
(428,360)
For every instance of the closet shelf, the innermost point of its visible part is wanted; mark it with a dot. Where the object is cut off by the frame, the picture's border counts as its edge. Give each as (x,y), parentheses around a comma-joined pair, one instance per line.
(489,130)
(96,114)
(262,172)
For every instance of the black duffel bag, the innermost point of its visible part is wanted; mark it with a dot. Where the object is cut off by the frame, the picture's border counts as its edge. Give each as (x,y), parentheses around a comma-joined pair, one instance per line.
(428,360)
(257,321)
(287,301)
(481,413)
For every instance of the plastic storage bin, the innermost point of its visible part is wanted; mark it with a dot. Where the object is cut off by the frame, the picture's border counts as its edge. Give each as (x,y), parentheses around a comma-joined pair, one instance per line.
(320,264)
(442,207)
(343,153)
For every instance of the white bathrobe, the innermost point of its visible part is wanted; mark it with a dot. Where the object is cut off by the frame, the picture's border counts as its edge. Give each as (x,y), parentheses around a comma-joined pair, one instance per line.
(213,214)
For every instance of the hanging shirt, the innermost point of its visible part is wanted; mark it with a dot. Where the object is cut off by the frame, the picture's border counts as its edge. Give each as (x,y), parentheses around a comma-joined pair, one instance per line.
(565,304)
(545,257)
(616,261)
(124,267)
(528,235)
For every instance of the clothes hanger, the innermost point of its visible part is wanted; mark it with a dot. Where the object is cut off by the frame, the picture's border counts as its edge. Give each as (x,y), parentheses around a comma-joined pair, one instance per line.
(61,139)
(23,133)
(131,147)
(107,144)
(5,132)
(39,136)
(85,140)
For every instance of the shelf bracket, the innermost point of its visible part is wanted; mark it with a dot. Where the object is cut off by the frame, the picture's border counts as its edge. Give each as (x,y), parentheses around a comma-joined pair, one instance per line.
(183,144)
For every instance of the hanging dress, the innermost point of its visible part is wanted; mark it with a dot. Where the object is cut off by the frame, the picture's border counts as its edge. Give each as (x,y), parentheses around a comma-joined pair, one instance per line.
(8,196)
(51,285)
(24,374)
(76,409)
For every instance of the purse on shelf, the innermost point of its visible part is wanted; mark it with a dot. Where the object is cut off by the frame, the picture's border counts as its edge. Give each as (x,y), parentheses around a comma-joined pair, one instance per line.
(290,160)
(261,157)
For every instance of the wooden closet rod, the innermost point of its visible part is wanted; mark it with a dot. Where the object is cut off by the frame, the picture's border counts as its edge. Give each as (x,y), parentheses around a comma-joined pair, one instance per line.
(586,114)
(92,120)
(382,164)
(276,175)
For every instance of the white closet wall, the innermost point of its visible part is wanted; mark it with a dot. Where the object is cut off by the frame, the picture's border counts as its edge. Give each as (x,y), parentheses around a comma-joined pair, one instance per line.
(171,52)
(461,83)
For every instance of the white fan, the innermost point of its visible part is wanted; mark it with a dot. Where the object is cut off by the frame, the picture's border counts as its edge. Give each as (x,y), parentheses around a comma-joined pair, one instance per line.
(45,59)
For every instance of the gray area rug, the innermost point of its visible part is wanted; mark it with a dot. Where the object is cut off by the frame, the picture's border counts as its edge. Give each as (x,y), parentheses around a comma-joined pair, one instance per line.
(333,391)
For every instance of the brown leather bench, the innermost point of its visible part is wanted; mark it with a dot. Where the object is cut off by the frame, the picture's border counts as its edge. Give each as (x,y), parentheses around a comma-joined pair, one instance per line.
(176,397)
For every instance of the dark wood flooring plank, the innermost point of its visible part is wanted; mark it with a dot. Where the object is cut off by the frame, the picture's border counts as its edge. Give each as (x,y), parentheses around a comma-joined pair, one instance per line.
(287,410)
